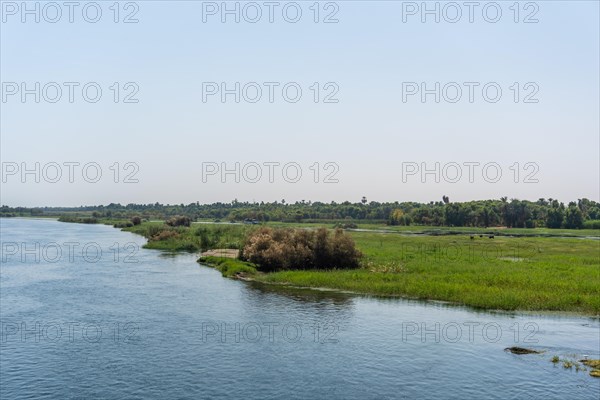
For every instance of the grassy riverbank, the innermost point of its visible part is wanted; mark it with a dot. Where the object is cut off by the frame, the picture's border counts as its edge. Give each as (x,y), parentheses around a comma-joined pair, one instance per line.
(229,267)
(505,273)
(537,274)
(194,238)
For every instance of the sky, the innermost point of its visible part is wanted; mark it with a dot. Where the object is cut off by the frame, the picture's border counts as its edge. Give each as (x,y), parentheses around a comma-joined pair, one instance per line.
(305,100)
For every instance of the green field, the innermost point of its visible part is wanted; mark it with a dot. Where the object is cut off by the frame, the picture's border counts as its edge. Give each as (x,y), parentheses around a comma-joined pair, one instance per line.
(523,269)
(444,230)
(506,273)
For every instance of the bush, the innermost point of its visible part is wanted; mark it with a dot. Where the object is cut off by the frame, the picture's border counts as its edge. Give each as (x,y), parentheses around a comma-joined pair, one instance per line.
(123,225)
(228,266)
(221,236)
(285,249)
(592,224)
(347,225)
(165,235)
(153,230)
(79,220)
(179,220)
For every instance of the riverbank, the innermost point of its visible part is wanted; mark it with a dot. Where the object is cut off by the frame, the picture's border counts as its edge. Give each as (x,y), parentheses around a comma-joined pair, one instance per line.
(513,273)
(506,273)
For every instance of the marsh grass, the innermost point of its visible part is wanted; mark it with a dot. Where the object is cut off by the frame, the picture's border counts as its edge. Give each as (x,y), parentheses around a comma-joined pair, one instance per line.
(554,274)
(551,274)
(229,267)
(197,237)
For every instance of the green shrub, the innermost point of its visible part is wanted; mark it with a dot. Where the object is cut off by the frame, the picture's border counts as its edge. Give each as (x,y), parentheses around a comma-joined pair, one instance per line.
(346,225)
(592,224)
(79,220)
(123,225)
(220,236)
(229,267)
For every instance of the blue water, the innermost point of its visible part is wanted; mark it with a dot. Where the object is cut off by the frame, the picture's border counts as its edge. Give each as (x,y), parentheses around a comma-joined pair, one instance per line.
(150,327)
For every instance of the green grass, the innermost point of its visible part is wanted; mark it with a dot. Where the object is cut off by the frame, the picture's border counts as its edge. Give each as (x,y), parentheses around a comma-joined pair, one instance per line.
(506,273)
(445,230)
(195,238)
(537,273)
(229,267)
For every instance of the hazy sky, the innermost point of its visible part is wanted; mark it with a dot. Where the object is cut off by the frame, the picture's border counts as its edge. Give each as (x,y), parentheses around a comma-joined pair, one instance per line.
(369,130)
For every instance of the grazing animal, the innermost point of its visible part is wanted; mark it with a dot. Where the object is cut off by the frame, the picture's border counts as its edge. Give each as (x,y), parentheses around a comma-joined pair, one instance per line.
(472,237)
(480,235)
(491,236)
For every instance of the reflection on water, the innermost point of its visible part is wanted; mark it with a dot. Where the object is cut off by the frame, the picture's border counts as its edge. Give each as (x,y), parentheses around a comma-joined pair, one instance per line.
(165,327)
(323,297)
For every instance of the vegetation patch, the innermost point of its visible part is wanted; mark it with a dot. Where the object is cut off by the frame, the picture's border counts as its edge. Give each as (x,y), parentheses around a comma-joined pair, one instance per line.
(78,219)
(522,350)
(591,363)
(229,267)
(579,365)
(178,237)
(552,274)
(300,249)
(505,213)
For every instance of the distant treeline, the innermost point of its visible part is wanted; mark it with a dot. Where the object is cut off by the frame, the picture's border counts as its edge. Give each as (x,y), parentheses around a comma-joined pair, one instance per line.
(551,213)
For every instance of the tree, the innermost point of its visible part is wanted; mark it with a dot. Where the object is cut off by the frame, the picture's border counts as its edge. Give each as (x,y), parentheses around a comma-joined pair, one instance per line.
(556,215)
(455,214)
(398,217)
(573,217)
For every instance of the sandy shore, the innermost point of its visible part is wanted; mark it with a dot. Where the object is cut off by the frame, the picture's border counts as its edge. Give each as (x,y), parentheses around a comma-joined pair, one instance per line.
(229,253)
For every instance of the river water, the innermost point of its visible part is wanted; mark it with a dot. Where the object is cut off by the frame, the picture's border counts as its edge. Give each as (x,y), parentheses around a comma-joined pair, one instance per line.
(87,313)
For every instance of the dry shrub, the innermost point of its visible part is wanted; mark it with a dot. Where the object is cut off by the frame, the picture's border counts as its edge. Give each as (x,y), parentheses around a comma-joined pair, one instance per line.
(178,220)
(165,235)
(288,249)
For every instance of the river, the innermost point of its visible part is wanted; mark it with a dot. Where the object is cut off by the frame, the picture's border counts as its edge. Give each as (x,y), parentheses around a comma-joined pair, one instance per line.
(87,313)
